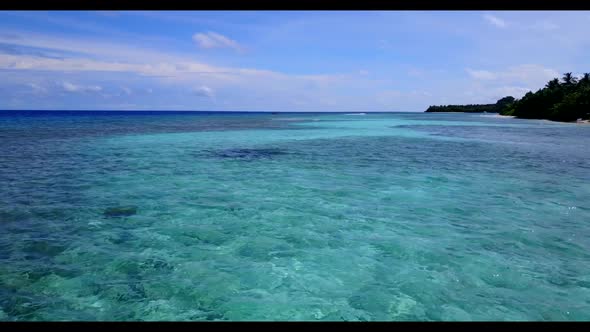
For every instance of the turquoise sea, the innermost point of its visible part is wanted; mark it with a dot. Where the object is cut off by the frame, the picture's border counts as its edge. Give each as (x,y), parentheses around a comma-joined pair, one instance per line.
(296,216)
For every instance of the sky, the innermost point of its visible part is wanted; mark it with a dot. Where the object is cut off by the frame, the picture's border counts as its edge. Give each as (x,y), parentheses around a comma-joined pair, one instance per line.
(282,60)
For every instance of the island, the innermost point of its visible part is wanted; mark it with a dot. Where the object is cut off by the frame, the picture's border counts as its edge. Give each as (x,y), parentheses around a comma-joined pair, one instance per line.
(474,108)
(565,100)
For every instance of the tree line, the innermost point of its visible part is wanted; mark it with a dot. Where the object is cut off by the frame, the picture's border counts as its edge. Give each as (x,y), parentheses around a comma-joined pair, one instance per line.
(474,108)
(567,99)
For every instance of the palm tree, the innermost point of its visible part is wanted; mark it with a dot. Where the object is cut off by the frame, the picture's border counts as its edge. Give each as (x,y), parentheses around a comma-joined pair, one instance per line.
(569,79)
(554,83)
(585,78)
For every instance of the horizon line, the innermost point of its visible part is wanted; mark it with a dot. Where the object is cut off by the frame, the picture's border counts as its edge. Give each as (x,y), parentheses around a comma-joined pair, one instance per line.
(202,111)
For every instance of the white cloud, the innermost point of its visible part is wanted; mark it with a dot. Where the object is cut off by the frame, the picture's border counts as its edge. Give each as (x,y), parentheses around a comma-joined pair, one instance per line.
(209,40)
(203,91)
(27,62)
(37,88)
(530,73)
(483,94)
(179,70)
(70,87)
(170,67)
(494,20)
(481,74)
(514,91)
(489,86)
(527,74)
(95,48)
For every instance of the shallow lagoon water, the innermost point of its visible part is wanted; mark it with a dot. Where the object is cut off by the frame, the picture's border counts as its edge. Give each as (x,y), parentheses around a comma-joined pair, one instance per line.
(293,217)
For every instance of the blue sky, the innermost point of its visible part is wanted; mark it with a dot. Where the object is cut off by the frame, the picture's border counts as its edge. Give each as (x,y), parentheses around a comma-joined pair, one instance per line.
(282,60)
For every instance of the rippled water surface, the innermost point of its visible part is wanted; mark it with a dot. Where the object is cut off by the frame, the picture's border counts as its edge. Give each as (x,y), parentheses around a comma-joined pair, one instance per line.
(190,216)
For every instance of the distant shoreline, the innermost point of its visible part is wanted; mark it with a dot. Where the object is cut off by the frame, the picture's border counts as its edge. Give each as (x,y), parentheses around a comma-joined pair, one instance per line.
(566,100)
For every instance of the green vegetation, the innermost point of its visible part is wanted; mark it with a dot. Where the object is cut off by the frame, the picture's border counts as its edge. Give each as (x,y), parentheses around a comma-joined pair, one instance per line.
(565,100)
(474,108)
